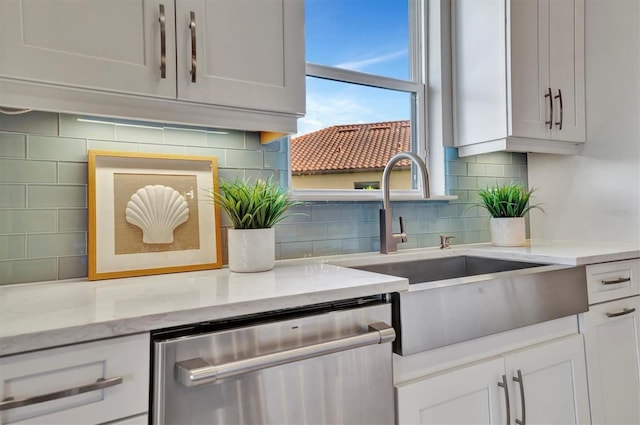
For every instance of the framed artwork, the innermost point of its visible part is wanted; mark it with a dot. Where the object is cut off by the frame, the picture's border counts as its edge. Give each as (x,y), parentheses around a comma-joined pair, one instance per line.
(151,214)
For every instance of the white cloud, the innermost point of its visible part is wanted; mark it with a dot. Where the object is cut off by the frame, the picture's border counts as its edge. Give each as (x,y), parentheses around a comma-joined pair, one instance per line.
(330,109)
(361,64)
(333,103)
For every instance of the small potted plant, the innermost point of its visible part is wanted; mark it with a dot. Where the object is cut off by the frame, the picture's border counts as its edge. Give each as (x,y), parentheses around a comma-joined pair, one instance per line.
(508,205)
(253,208)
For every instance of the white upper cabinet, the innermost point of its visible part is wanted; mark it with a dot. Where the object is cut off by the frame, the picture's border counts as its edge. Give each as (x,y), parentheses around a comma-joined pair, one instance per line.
(96,44)
(260,74)
(518,75)
(235,64)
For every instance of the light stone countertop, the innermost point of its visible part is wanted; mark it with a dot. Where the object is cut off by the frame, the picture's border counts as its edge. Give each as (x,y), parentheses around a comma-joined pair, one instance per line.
(40,315)
(550,252)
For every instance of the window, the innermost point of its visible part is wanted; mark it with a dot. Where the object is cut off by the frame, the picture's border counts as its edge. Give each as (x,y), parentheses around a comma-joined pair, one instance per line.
(365,94)
(366,185)
(371,36)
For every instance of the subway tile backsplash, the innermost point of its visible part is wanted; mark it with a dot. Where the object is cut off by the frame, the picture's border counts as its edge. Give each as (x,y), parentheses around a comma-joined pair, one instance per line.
(328,228)
(43,192)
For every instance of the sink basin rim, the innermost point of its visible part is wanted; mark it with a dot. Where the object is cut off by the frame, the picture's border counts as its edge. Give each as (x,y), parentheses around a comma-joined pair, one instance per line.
(514,267)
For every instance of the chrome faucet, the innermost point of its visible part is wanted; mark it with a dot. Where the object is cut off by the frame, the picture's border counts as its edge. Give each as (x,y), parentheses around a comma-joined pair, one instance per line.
(445,241)
(389,240)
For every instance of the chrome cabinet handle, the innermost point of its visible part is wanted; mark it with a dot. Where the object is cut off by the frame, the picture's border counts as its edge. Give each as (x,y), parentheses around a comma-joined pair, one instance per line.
(519,380)
(197,371)
(192,27)
(163,43)
(102,383)
(624,312)
(559,97)
(616,281)
(550,96)
(503,384)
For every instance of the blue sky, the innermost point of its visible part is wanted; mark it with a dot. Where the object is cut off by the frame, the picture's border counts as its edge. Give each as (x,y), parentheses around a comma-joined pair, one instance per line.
(363,35)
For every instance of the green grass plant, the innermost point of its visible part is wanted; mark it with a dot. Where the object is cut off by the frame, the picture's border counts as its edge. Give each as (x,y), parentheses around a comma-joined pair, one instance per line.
(508,200)
(258,205)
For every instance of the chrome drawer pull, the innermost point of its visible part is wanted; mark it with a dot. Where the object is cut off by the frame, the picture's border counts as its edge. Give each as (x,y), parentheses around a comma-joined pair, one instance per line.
(163,43)
(559,97)
(198,371)
(194,53)
(100,384)
(522,399)
(624,311)
(503,384)
(550,121)
(615,282)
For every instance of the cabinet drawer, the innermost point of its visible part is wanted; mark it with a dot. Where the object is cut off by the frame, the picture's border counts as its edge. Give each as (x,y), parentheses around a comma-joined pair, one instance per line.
(119,367)
(609,281)
(611,331)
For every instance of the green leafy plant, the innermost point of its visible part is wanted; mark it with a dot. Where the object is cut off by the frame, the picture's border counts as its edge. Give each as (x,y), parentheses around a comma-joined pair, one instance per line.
(258,205)
(509,200)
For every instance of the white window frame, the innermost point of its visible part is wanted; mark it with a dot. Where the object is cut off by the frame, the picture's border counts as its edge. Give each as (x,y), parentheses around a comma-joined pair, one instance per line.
(419,13)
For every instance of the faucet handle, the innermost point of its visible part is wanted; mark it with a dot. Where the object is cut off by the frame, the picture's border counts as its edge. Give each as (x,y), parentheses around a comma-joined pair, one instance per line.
(444,241)
(403,235)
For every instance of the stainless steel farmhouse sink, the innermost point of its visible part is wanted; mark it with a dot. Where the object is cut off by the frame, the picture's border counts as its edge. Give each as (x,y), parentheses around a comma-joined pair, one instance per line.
(429,270)
(459,298)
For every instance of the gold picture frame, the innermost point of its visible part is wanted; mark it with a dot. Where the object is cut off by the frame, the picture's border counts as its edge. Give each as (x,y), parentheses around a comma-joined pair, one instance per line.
(149,214)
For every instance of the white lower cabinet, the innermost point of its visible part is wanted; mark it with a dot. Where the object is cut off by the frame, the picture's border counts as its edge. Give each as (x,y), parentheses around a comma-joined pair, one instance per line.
(89,383)
(612,338)
(465,395)
(542,384)
(553,388)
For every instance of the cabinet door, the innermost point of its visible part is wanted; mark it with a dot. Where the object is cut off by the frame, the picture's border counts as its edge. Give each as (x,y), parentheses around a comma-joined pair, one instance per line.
(529,60)
(547,69)
(613,359)
(566,69)
(553,388)
(468,395)
(479,72)
(248,53)
(109,45)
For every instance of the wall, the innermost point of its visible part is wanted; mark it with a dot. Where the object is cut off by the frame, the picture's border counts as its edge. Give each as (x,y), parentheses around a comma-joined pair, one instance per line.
(400,179)
(43,181)
(348,227)
(43,188)
(596,195)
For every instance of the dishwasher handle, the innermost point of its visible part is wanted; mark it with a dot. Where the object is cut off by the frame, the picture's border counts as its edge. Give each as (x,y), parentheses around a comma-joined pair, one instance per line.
(194,372)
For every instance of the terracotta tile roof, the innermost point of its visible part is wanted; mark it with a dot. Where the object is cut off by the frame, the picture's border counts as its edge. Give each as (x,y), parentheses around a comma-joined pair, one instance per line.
(351,147)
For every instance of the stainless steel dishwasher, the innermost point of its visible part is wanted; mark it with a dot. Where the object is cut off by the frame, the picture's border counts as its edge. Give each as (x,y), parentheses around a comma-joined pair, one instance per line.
(326,364)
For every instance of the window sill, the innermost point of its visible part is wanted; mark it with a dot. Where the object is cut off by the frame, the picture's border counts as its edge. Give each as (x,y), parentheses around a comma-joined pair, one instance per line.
(349,195)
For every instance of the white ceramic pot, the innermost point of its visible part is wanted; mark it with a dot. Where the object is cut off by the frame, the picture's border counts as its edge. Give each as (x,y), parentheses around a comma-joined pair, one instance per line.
(251,250)
(508,231)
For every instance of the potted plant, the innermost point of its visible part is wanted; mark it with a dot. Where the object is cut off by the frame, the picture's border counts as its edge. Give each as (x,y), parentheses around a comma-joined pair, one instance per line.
(508,205)
(253,208)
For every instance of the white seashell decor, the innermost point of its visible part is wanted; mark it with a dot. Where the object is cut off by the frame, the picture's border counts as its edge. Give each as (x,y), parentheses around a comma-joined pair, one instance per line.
(157,210)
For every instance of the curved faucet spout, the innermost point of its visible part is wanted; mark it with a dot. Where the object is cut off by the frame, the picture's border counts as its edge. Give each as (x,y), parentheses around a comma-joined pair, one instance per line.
(388,239)
(386,174)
